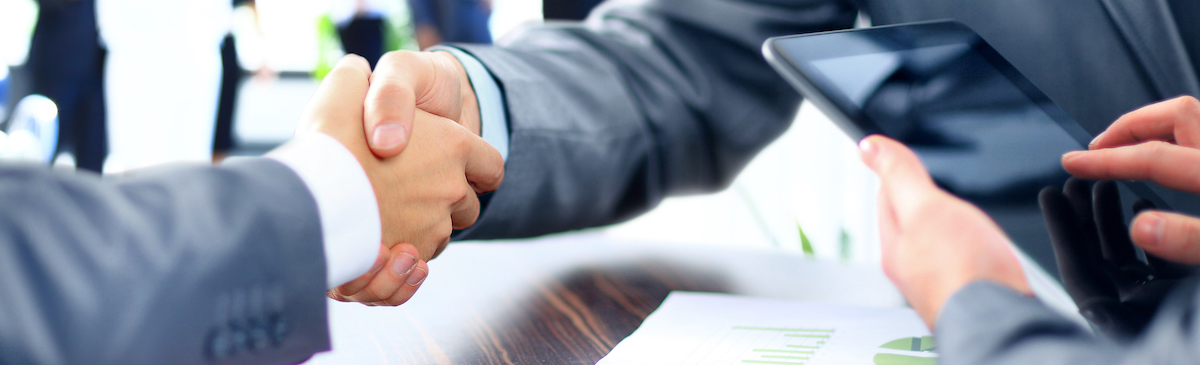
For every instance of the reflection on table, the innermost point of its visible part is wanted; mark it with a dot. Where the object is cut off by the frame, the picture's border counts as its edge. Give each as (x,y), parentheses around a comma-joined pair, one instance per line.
(570,299)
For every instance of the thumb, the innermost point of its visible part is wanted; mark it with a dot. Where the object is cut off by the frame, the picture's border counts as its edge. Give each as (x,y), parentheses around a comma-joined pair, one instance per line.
(402,82)
(1171,236)
(902,176)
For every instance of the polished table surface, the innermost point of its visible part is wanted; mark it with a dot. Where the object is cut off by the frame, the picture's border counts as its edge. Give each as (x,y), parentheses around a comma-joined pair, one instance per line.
(570,299)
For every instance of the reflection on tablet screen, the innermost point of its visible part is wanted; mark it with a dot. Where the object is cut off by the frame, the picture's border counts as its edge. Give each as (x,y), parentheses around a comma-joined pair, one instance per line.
(978,134)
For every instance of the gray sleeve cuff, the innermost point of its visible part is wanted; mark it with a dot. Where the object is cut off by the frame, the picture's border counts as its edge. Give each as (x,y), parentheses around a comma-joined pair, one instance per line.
(492,116)
(988,323)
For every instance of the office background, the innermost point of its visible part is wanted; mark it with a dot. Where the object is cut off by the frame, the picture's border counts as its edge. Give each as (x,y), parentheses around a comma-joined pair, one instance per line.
(806,194)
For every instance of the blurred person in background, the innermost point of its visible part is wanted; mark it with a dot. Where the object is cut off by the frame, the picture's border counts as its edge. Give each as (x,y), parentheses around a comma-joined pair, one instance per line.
(567,9)
(231,80)
(361,26)
(451,21)
(163,75)
(66,64)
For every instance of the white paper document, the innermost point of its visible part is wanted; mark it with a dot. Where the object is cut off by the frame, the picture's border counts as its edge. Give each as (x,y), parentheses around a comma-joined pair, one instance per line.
(703,328)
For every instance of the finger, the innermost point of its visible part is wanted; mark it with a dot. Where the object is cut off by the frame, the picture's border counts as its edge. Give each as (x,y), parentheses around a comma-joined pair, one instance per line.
(1115,243)
(403,82)
(1079,193)
(385,283)
(464,212)
(901,174)
(485,167)
(1169,165)
(339,100)
(1078,262)
(1175,120)
(411,284)
(344,291)
(1171,236)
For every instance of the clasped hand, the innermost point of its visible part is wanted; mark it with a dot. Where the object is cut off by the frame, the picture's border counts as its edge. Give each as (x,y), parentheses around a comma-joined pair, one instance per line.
(425,167)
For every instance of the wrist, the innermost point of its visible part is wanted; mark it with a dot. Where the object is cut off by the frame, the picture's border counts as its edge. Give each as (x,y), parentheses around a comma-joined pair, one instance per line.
(469,117)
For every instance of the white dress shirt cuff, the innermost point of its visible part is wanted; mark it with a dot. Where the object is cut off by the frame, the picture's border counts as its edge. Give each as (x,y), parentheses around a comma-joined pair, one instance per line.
(493,119)
(350,225)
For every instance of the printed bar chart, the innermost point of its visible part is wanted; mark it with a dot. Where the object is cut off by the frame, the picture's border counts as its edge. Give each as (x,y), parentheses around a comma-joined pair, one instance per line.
(791,346)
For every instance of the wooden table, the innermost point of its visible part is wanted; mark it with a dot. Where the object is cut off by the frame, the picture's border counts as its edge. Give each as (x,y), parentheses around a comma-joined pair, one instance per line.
(570,299)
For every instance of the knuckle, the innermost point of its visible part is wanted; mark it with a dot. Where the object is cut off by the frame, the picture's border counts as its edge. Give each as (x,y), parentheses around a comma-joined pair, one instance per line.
(347,72)
(444,231)
(1191,235)
(1188,106)
(373,294)
(397,92)
(1156,148)
(468,219)
(397,58)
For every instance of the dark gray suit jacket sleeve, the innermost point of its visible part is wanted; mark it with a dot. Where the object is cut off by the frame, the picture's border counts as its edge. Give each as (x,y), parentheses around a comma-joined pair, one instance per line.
(609,117)
(176,265)
(988,324)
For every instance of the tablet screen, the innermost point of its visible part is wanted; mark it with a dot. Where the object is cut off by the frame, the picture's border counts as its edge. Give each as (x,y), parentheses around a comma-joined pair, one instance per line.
(983,131)
(977,133)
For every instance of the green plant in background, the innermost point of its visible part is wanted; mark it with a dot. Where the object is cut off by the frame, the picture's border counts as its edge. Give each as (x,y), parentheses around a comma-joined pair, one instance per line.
(805,244)
(328,47)
(397,35)
(844,244)
(398,32)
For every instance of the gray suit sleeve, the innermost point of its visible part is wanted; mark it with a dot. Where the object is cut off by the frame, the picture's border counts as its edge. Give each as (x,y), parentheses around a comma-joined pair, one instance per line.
(644,100)
(988,324)
(176,265)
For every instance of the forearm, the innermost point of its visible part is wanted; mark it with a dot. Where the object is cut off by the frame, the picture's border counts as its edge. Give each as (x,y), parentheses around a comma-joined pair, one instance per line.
(645,101)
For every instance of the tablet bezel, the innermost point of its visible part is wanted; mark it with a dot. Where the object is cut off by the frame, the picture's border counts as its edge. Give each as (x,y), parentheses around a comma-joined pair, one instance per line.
(797,69)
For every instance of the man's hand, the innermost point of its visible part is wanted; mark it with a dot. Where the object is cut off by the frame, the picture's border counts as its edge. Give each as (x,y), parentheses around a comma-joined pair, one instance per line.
(1160,143)
(933,243)
(405,82)
(1099,266)
(424,193)
(395,277)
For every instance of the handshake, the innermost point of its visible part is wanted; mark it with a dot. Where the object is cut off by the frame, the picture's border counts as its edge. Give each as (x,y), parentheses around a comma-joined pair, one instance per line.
(414,127)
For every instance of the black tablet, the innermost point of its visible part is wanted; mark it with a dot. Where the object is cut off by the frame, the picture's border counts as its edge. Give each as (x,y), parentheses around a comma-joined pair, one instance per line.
(984,131)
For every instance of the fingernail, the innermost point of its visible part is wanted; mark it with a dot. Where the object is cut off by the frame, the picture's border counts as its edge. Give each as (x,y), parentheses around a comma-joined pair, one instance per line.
(869,149)
(417,277)
(1071,155)
(1151,225)
(404,264)
(388,135)
(1092,144)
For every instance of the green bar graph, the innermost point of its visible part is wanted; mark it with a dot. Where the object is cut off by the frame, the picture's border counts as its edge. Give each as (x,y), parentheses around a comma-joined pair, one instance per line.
(791,354)
(784,351)
(785,357)
(783,329)
(894,359)
(806,336)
